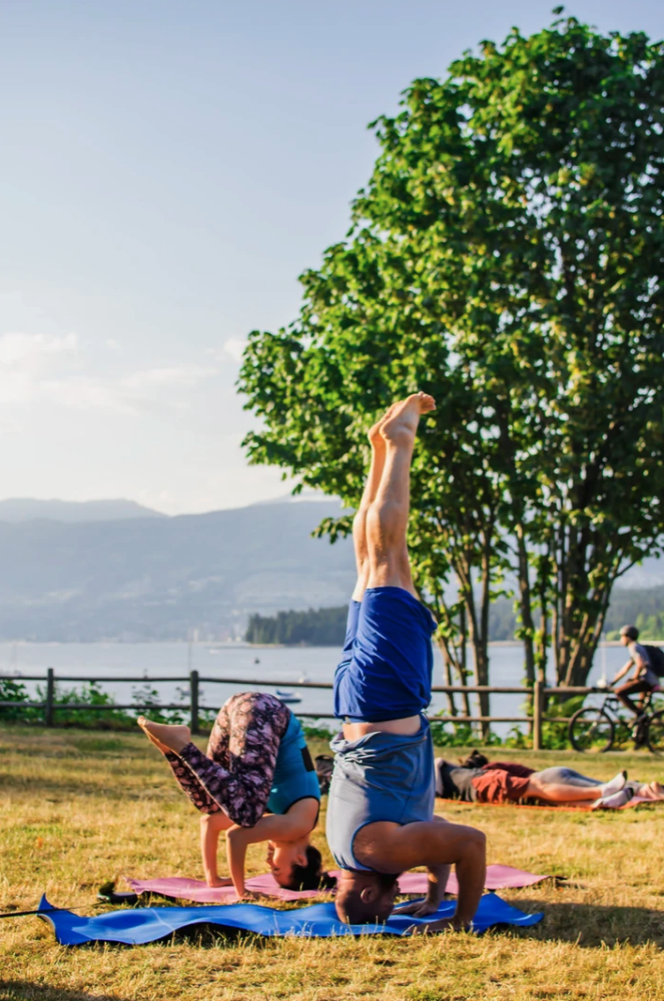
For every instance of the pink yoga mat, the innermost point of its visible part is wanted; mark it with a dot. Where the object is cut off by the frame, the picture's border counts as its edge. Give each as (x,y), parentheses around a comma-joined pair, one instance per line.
(498,877)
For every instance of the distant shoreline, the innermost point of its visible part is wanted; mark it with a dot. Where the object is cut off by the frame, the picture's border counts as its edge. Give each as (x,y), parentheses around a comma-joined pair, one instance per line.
(242,645)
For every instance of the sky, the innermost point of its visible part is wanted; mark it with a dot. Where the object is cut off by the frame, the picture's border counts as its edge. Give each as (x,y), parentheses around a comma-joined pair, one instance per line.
(168,169)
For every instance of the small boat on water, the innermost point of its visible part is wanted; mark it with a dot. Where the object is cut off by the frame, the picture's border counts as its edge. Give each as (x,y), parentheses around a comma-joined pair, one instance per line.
(287,696)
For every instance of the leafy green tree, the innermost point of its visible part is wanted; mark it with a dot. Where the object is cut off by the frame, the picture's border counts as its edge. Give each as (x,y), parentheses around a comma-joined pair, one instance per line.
(506,256)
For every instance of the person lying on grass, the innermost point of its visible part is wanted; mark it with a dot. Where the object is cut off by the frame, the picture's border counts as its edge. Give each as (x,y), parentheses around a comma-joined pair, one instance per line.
(479,780)
(257,760)
(380,819)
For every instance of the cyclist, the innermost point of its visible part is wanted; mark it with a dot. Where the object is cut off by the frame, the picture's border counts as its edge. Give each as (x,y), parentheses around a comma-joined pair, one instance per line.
(644,678)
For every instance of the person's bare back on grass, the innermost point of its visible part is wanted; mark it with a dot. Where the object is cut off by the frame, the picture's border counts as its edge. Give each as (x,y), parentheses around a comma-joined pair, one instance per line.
(384,759)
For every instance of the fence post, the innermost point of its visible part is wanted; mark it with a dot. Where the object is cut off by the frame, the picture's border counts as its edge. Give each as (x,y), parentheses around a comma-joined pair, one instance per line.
(50,697)
(193,699)
(538,708)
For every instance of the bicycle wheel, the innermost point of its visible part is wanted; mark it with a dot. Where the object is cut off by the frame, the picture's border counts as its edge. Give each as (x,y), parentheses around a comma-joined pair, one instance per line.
(655,733)
(591,729)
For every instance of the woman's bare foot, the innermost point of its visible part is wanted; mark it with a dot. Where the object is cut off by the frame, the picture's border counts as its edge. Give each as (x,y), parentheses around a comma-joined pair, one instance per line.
(215,881)
(172,738)
(405,417)
(153,740)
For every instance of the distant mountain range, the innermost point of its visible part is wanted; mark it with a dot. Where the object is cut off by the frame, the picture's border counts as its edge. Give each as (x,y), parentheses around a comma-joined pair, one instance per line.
(19,509)
(118,571)
(152,577)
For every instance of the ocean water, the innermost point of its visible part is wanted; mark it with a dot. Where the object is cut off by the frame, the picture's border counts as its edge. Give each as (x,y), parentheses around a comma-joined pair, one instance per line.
(255,665)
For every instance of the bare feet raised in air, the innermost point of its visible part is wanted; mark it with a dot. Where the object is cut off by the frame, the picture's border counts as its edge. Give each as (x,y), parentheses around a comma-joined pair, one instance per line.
(165,737)
(400,423)
(375,437)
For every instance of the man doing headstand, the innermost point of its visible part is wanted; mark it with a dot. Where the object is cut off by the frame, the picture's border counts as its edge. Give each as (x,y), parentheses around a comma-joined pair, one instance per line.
(380,819)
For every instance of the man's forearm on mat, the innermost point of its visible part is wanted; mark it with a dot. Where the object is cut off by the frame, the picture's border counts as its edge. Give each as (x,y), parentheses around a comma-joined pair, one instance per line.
(437,876)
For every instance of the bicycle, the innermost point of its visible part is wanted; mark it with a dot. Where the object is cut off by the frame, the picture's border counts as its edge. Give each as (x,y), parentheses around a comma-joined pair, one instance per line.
(593,728)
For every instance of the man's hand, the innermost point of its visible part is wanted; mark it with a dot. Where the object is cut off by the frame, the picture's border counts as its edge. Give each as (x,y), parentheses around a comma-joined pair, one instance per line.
(431,927)
(418,908)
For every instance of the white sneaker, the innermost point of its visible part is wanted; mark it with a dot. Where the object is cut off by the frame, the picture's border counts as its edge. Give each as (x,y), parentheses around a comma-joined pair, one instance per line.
(615,801)
(615,785)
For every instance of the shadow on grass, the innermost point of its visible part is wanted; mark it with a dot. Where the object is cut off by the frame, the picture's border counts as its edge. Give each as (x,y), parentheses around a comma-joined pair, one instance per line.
(593,925)
(13,990)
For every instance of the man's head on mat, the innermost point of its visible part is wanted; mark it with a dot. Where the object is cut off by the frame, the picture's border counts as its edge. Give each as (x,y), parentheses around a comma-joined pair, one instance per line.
(297,865)
(365,897)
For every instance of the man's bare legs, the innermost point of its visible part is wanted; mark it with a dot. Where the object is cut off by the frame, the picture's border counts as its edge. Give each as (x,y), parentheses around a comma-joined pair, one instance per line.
(380,527)
(377,443)
(387,516)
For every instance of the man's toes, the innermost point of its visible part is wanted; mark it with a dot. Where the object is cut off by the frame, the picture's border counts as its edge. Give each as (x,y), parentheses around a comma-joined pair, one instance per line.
(427,402)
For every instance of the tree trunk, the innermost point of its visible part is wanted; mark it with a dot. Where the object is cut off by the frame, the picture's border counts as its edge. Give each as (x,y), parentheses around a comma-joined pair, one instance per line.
(479,645)
(525,603)
(463,672)
(447,667)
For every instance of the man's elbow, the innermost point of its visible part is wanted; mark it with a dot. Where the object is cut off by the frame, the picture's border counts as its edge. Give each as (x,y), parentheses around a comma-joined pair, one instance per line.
(475,843)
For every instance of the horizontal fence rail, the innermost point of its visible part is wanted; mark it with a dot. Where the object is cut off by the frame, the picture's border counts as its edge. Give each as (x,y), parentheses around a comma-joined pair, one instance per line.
(538,694)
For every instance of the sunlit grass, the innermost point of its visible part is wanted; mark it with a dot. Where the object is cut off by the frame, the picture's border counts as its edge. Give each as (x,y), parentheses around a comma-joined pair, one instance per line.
(78,809)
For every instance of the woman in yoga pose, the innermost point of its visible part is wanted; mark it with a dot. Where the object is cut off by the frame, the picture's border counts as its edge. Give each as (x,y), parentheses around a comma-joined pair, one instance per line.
(479,780)
(257,760)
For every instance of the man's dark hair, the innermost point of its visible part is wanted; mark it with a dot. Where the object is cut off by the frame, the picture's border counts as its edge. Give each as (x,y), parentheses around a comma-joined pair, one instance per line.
(310,876)
(475,760)
(355,911)
(630,631)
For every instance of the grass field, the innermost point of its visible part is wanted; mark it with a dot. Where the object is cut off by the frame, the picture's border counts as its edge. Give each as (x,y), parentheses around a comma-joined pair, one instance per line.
(79,808)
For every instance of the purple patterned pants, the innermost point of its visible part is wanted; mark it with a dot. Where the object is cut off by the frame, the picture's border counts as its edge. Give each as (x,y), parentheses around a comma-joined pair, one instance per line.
(236,774)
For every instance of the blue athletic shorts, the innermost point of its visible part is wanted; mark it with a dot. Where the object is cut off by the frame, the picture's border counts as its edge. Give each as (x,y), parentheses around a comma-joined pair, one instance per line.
(385,671)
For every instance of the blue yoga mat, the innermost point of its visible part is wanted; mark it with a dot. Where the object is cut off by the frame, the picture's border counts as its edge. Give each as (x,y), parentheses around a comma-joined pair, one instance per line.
(148,924)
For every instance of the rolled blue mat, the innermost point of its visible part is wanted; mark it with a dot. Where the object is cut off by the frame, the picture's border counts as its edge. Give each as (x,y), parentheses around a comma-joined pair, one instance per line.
(148,924)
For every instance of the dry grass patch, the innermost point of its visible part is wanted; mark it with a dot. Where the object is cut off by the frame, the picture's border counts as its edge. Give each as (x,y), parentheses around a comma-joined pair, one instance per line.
(77,809)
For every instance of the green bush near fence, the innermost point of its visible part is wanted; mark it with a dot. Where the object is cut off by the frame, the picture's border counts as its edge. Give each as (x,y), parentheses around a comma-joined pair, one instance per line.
(145,698)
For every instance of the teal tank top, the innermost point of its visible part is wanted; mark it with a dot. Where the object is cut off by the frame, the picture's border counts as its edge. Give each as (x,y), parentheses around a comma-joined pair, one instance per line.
(294,774)
(381,776)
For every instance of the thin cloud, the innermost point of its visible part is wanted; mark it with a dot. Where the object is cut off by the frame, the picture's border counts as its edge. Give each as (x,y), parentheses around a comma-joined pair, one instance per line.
(235,346)
(53,370)
(175,375)
(17,348)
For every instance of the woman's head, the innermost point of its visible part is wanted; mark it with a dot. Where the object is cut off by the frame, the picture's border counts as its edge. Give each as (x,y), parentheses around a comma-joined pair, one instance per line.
(297,865)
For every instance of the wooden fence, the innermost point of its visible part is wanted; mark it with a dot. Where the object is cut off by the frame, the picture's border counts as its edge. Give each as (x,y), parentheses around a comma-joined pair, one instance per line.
(539,695)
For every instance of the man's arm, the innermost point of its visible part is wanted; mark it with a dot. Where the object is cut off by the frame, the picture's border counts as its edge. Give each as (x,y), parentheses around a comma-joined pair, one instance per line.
(434,843)
(623,671)
(438,876)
